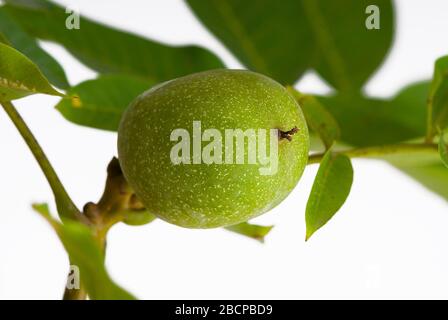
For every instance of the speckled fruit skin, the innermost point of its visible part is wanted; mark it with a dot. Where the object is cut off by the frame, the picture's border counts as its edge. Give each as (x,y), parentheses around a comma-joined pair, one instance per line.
(216,195)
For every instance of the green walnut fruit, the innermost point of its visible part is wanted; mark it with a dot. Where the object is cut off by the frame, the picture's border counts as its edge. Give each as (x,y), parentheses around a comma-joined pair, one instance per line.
(213,149)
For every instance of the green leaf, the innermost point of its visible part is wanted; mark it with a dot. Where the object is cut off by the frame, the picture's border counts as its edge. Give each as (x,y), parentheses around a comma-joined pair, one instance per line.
(438,98)
(268,36)
(99,103)
(108,50)
(27,45)
(443,148)
(283,39)
(318,118)
(85,253)
(251,230)
(371,122)
(432,176)
(4,40)
(347,53)
(20,77)
(368,122)
(329,192)
(427,169)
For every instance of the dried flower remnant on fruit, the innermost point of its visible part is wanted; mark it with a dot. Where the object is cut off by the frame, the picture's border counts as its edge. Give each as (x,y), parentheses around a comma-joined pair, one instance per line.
(287,134)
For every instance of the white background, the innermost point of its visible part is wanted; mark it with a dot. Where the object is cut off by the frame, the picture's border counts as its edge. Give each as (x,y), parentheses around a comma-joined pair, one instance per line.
(390,240)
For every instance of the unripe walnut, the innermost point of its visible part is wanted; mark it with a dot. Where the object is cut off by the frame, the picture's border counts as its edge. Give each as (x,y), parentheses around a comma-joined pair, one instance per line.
(214,148)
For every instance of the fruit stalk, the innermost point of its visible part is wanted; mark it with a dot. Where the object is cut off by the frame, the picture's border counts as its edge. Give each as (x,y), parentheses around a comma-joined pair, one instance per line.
(378,151)
(75,294)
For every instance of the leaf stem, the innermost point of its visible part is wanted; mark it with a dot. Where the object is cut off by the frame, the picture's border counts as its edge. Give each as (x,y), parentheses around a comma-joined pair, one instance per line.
(66,207)
(378,151)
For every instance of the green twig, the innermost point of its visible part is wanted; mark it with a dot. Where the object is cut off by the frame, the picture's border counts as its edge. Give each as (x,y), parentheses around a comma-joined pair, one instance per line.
(66,207)
(75,294)
(378,151)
